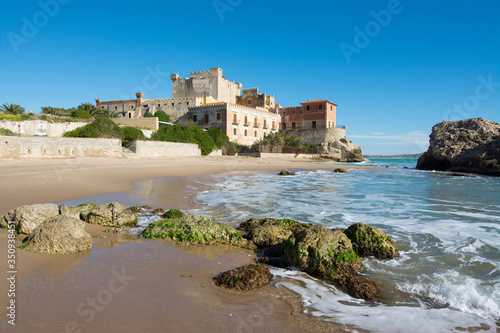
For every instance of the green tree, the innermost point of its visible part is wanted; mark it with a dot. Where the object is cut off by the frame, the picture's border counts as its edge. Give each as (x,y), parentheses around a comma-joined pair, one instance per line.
(131,134)
(12,108)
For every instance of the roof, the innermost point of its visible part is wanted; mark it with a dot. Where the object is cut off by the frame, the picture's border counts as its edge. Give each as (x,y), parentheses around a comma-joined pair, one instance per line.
(319,101)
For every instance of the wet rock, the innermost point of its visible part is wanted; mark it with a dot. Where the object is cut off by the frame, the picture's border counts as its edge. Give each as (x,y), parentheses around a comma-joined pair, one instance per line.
(318,251)
(244,278)
(370,241)
(60,234)
(112,215)
(287,173)
(195,229)
(172,213)
(64,210)
(269,234)
(159,211)
(26,218)
(471,145)
(81,211)
(339,170)
(136,209)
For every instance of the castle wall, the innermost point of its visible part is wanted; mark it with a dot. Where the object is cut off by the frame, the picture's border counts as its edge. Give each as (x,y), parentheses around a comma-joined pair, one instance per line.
(40,127)
(164,149)
(16,148)
(149,122)
(319,136)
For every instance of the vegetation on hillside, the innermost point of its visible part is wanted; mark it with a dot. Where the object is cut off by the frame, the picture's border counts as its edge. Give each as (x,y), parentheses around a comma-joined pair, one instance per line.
(102,127)
(14,109)
(82,111)
(161,115)
(208,141)
(12,117)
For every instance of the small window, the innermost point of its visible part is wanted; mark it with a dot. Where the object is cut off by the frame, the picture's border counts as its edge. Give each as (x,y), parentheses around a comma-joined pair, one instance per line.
(159,105)
(195,117)
(300,111)
(255,133)
(308,108)
(173,104)
(284,126)
(235,118)
(255,122)
(246,133)
(293,125)
(187,103)
(331,108)
(219,116)
(249,102)
(293,112)
(246,122)
(273,124)
(265,125)
(314,124)
(131,107)
(116,108)
(234,131)
(321,106)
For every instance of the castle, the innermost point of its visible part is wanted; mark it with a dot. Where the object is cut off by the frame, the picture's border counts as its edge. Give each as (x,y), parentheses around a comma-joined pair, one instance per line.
(211,101)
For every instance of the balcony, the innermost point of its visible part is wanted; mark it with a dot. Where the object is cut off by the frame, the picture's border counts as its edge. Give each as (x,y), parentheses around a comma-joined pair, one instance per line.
(256,125)
(246,123)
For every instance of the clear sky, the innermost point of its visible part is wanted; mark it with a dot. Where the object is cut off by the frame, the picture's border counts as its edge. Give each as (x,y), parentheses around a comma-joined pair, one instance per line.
(395,68)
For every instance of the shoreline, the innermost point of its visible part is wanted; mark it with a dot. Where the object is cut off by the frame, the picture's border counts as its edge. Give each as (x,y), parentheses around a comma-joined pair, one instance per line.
(50,284)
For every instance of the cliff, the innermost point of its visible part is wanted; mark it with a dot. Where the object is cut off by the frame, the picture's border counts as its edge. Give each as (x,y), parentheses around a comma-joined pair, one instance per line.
(471,145)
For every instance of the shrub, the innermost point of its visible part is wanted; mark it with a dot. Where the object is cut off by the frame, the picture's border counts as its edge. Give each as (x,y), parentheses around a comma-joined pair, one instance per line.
(83,114)
(161,115)
(292,141)
(15,117)
(102,127)
(172,213)
(131,134)
(230,149)
(344,140)
(194,134)
(7,132)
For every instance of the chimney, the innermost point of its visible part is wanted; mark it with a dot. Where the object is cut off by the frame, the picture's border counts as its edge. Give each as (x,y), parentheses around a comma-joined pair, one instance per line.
(138,103)
(98,103)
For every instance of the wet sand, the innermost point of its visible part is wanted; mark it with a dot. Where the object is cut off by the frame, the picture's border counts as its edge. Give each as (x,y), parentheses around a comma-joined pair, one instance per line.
(125,284)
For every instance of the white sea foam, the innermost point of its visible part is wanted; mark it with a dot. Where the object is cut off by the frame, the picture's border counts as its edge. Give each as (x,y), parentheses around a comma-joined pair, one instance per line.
(449,236)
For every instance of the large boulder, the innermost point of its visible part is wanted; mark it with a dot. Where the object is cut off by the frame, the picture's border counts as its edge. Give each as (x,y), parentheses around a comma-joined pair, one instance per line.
(60,234)
(112,215)
(81,211)
(370,241)
(471,145)
(194,229)
(341,150)
(318,251)
(269,234)
(26,218)
(245,277)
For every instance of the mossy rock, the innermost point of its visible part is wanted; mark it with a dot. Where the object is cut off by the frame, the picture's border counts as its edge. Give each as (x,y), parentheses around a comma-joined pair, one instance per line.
(172,213)
(244,278)
(339,170)
(318,251)
(159,211)
(113,215)
(370,241)
(194,229)
(136,209)
(287,173)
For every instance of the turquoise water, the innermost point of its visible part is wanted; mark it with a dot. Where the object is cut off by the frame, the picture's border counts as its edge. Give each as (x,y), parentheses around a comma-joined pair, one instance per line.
(409,163)
(447,228)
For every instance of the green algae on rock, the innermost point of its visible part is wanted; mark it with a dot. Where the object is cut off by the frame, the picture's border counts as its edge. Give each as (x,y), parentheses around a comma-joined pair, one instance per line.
(370,241)
(194,229)
(245,277)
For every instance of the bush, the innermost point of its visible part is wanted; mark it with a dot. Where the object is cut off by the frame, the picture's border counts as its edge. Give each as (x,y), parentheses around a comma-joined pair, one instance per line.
(161,115)
(7,132)
(15,117)
(102,127)
(131,134)
(83,114)
(195,134)
(344,140)
(292,141)
(230,149)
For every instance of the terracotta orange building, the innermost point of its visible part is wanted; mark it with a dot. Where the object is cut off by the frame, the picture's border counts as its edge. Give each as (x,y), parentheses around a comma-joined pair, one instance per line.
(319,113)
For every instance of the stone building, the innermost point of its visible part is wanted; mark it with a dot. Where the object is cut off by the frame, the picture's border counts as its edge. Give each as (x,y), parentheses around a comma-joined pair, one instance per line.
(250,97)
(317,114)
(125,108)
(206,83)
(241,124)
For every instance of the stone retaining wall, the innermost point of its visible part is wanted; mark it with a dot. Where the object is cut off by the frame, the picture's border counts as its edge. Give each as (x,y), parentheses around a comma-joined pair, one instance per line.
(40,127)
(15,148)
(163,149)
(319,135)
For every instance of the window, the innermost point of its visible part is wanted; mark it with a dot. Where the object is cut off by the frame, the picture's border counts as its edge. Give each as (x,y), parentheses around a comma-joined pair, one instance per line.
(219,116)
(207,118)
(249,102)
(314,124)
(321,106)
(234,131)
(173,104)
(293,112)
(255,133)
(187,103)
(293,125)
(308,108)
(246,133)
(255,122)
(246,122)
(235,118)
(265,125)
(273,124)
(130,115)
(331,108)
(131,107)
(158,105)
(116,108)
(195,117)
(284,126)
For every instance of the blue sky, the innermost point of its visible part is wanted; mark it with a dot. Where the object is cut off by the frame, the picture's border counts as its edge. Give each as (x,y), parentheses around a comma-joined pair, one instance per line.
(395,68)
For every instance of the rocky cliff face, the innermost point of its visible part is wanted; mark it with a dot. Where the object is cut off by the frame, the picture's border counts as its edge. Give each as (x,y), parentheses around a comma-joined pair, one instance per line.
(471,145)
(341,150)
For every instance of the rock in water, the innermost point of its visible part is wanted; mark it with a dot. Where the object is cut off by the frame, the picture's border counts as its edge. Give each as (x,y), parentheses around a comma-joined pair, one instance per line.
(244,278)
(112,215)
(60,234)
(28,217)
(370,241)
(471,145)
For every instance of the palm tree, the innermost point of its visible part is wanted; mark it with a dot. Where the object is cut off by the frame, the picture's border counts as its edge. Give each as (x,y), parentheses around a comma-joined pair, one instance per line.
(53,111)
(12,108)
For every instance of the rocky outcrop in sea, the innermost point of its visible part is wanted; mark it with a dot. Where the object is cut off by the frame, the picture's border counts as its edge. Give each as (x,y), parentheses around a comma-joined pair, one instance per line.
(471,145)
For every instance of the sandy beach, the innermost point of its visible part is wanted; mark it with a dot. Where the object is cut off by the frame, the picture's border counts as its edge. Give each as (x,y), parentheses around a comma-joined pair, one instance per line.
(126,284)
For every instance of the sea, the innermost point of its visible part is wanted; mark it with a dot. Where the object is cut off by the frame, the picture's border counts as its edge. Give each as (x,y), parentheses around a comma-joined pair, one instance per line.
(447,278)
